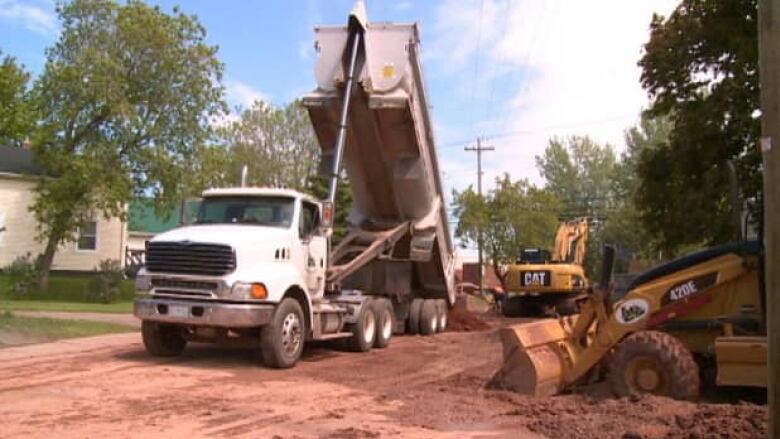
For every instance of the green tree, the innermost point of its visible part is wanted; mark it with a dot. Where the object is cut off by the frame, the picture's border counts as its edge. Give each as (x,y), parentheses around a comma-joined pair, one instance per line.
(126,97)
(513,215)
(16,113)
(277,144)
(624,227)
(580,173)
(700,67)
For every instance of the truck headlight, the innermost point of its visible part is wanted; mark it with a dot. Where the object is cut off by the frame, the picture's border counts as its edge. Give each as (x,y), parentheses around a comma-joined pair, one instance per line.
(143,283)
(248,291)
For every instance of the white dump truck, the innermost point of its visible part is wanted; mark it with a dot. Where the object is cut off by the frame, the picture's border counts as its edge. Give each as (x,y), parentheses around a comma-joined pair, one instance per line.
(257,267)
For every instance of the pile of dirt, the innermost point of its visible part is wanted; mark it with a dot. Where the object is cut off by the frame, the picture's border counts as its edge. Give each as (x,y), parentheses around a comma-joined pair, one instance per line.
(462,320)
(647,417)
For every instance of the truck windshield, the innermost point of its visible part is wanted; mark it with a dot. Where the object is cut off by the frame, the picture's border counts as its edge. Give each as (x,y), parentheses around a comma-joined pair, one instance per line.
(264,211)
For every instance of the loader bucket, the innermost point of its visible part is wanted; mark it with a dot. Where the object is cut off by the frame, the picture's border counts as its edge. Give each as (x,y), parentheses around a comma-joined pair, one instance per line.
(533,357)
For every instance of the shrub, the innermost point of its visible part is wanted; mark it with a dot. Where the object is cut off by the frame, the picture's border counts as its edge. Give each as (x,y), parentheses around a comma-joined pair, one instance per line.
(22,273)
(104,287)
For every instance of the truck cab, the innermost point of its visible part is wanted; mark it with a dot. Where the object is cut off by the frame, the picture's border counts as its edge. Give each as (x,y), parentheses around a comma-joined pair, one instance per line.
(247,250)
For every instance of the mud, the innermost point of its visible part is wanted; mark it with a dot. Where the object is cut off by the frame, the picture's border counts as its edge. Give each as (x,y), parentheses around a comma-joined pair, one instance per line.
(418,387)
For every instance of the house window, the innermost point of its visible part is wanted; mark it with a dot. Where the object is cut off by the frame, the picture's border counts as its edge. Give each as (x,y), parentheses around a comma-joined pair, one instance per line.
(88,236)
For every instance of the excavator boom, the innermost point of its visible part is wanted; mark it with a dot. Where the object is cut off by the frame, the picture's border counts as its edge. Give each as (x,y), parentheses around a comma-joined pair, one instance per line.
(570,241)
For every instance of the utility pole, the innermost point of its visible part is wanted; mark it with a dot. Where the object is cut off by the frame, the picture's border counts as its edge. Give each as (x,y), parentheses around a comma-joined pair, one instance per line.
(769,69)
(479,149)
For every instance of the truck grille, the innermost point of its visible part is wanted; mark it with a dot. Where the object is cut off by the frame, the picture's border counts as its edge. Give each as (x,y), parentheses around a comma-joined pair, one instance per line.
(190,258)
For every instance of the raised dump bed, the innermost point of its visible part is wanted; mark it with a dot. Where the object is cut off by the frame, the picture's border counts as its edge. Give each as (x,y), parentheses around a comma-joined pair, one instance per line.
(389,156)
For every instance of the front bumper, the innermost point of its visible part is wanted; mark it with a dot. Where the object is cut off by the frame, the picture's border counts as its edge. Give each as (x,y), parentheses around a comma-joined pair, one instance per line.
(218,314)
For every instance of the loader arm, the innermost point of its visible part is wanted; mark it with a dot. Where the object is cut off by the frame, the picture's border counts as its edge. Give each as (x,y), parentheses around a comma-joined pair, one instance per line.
(548,356)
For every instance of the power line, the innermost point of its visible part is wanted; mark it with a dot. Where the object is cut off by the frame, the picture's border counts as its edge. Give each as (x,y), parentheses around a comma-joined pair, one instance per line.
(505,134)
(476,66)
(489,109)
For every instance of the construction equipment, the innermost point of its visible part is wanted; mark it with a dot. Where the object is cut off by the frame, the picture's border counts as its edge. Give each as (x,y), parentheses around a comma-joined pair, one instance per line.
(541,283)
(705,306)
(258,265)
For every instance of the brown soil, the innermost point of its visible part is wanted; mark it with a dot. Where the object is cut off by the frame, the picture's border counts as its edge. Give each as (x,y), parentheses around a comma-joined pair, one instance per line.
(461,320)
(418,387)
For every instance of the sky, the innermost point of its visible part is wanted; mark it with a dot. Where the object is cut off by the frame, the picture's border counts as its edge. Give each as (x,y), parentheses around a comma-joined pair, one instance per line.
(515,72)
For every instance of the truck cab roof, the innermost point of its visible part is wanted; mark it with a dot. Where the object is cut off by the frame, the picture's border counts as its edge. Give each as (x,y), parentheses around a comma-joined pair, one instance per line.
(258,192)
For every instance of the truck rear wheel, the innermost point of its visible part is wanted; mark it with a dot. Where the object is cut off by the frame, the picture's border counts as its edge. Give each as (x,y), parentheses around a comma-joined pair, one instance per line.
(385,320)
(429,317)
(364,329)
(442,311)
(413,323)
(162,340)
(653,362)
(281,341)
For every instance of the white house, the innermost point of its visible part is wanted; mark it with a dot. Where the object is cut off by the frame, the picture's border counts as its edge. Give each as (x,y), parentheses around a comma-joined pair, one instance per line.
(100,239)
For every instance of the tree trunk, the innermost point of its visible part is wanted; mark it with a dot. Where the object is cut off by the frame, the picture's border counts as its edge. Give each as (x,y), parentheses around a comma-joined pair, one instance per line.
(46,259)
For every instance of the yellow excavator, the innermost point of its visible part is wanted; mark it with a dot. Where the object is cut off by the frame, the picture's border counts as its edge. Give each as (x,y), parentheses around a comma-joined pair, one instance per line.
(704,308)
(540,283)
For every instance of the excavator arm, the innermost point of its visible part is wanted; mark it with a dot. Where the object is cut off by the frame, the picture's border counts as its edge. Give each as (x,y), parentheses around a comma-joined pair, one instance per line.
(570,241)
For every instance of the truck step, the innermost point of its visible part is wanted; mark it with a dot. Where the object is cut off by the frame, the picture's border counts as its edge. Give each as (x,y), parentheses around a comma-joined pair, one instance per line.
(333,336)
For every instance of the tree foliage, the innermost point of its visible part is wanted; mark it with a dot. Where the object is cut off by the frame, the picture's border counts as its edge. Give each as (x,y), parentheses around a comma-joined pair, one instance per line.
(513,215)
(16,113)
(126,97)
(580,173)
(277,144)
(700,67)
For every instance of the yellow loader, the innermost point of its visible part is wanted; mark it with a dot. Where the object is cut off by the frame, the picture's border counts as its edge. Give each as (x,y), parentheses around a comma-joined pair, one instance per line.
(705,306)
(541,283)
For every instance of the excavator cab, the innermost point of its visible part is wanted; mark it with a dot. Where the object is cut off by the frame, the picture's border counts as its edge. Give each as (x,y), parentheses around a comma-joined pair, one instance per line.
(534,255)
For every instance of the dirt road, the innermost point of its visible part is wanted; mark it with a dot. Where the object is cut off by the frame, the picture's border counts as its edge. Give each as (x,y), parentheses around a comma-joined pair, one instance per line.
(419,387)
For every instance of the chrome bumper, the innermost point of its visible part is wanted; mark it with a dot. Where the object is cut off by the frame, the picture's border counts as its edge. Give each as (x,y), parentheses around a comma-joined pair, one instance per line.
(227,315)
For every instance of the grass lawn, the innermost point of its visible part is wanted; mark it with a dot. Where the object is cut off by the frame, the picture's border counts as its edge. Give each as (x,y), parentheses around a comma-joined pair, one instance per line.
(50,305)
(42,329)
(66,293)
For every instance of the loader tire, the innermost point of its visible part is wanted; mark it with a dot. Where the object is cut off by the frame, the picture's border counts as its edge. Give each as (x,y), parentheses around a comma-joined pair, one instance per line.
(442,313)
(162,340)
(281,340)
(429,317)
(413,322)
(363,330)
(385,321)
(653,362)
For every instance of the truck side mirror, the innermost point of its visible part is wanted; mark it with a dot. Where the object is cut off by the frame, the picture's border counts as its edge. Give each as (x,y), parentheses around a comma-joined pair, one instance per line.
(326,216)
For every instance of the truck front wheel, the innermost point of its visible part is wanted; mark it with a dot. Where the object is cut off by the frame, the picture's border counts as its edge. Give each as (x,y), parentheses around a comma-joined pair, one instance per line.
(281,341)
(162,340)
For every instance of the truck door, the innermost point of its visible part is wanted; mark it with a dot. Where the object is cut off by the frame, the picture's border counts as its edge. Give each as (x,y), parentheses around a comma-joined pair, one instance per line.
(314,248)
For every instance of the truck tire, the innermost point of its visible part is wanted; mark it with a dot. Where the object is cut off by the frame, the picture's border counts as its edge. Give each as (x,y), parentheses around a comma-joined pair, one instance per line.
(413,322)
(385,321)
(281,340)
(653,362)
(162,340)
(442,312)
(363,330)
(429,317)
